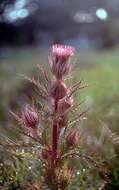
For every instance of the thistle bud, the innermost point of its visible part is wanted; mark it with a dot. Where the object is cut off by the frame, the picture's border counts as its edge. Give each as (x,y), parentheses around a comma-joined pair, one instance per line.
(30,117)
(72,139)
(64,104)
(59,62)
(58,89)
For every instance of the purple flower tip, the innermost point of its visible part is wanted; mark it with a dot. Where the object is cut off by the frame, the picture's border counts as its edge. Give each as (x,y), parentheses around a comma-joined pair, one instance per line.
(62,50)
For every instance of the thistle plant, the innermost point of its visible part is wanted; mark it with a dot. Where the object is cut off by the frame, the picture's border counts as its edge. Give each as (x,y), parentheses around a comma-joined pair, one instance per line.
(54,125)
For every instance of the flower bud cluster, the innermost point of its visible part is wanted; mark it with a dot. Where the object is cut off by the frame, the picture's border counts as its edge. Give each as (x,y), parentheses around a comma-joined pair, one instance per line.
(60,66)
(29,118)
(59,63)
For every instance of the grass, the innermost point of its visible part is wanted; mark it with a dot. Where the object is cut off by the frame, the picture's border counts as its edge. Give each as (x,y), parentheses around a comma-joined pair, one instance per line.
(103,82)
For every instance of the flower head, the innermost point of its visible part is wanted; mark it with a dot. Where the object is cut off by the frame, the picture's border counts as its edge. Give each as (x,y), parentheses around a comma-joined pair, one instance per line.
(29,117)
(62,51)
(59,61)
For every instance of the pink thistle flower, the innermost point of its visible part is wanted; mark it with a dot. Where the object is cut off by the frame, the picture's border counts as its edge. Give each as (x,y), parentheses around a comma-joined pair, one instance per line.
(72,138)
(59,61)
(64,104)
(30,117)
(58,89)
(62,51)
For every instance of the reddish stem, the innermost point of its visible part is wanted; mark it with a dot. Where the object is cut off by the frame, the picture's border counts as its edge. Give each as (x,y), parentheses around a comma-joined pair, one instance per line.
(55,135)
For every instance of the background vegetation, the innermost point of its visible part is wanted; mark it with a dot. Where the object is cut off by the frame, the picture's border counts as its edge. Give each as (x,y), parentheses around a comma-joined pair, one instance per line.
(98,69)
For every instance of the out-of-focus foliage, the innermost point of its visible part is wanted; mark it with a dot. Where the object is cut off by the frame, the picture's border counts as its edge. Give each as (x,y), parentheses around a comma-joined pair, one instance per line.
(20,169)
(114,178)
(17,169)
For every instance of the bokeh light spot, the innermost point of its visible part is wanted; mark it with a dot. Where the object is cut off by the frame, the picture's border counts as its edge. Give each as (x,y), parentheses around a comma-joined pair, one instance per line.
(22,13)
(102,14)
(20,4)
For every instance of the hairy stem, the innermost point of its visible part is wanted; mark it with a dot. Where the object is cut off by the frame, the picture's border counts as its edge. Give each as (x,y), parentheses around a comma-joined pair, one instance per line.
(55,135)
